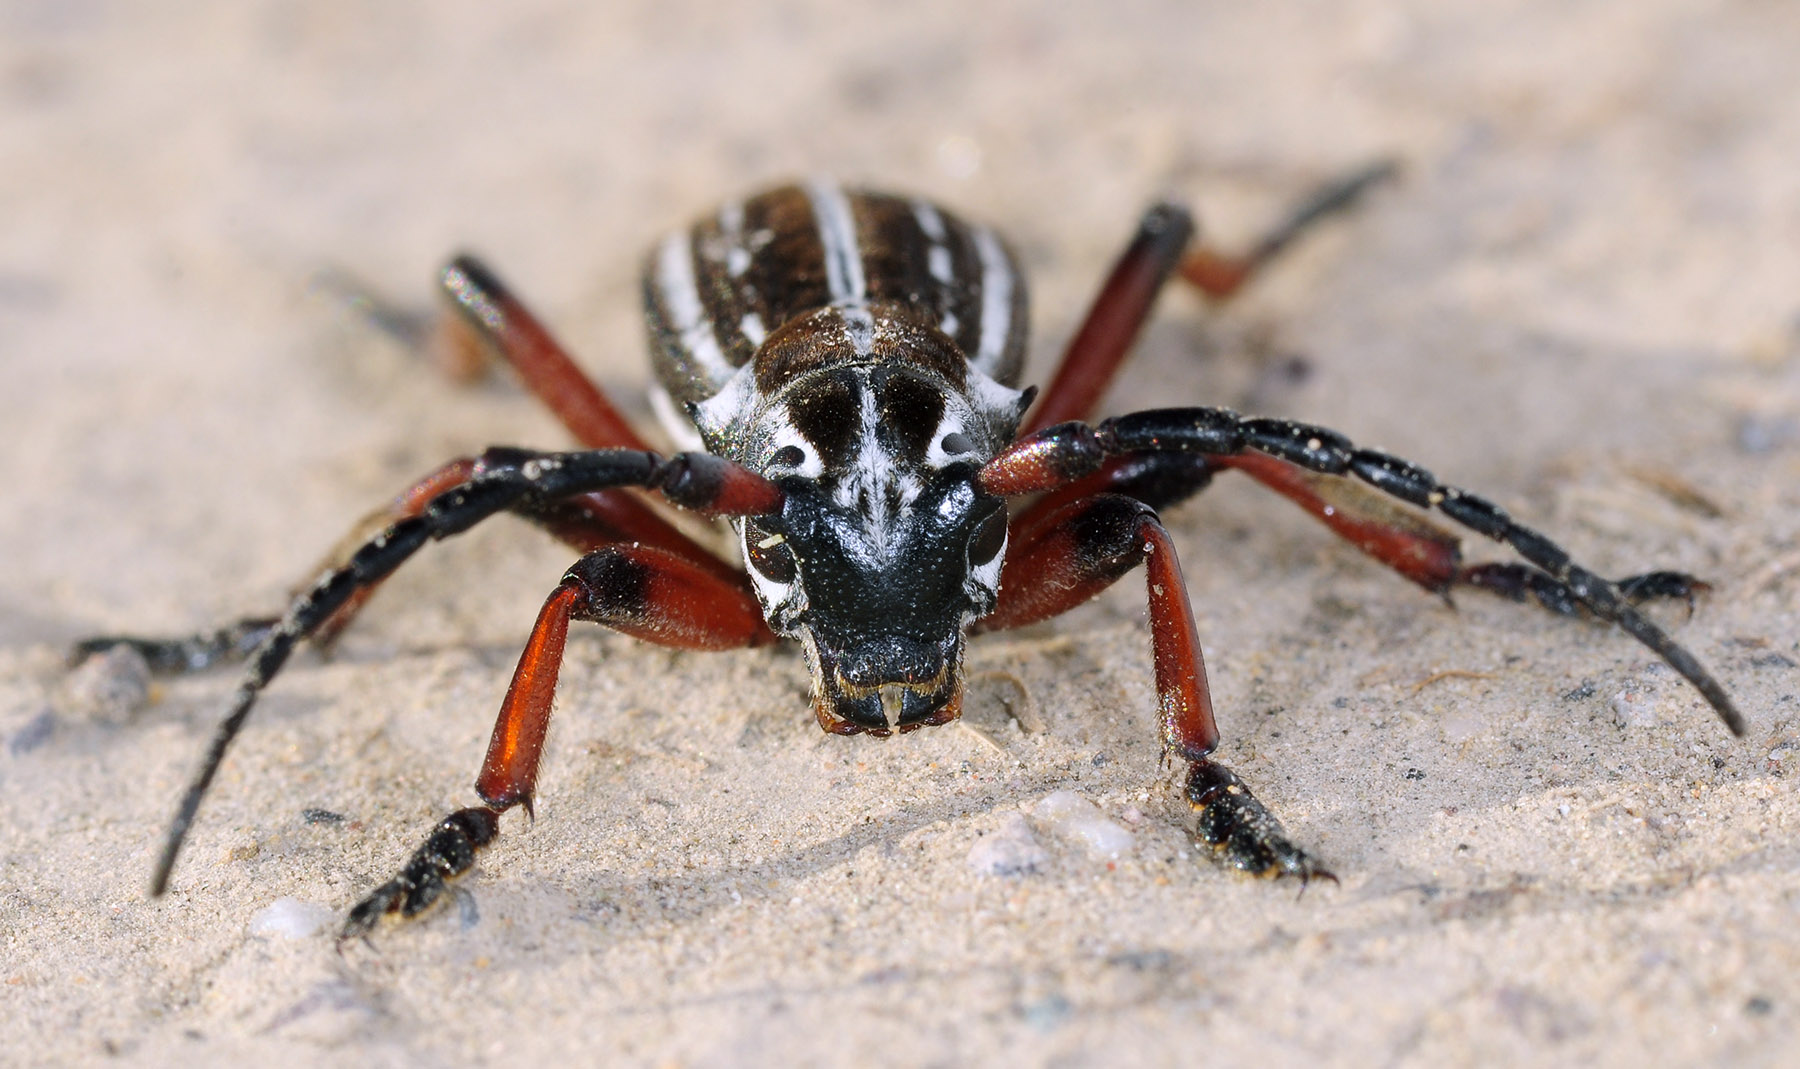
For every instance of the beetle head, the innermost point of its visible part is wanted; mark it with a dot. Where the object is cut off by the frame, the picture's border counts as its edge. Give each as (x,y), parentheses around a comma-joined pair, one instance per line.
(885,549)
(881,599)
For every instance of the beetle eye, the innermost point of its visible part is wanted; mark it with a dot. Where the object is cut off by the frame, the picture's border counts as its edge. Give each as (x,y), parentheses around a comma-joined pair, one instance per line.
(788,456)
(987,538)
(768,553)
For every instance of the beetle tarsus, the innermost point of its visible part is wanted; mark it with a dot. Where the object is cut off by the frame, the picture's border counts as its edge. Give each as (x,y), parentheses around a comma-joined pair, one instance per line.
(1521,582)
(1241,832)
(448,852)
(187,653)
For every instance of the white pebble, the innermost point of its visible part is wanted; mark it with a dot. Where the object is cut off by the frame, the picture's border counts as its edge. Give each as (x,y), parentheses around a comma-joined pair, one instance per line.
(290,918)
(1633,707)
(1011,851)
(112,684)
(1070,816)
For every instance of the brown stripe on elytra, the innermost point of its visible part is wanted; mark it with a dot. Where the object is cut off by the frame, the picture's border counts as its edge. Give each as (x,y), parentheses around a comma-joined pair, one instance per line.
(787,262)
(897,259)
(828,413)
(909,410)
(894,250)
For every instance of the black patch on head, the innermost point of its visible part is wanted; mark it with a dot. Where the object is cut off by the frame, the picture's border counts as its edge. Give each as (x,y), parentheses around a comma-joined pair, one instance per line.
(767,553)
(828,413)
(909,411)
(988,537)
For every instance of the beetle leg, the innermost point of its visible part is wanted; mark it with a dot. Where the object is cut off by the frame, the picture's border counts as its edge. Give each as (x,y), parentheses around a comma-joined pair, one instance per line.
(643,591)
(509,480)
(1220,276)
(1059,455)
(585,521)
(1114,319)
(1521,582)
(1064,556)
(543,365)
(1159,249)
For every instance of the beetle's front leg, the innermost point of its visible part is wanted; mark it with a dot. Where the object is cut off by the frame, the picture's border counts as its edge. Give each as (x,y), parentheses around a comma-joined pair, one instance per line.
(1064,554)
(644,591)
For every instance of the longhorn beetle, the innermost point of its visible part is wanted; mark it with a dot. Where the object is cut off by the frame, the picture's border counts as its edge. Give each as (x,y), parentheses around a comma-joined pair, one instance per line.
(848,365)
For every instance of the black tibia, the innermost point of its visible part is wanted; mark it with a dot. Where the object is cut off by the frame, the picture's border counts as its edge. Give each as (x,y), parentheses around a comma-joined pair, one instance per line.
(1335,197)
(503,480)
(448,852)
(190,653)
(1240,831)
(1521,582)
(1221,276)
(1069,451)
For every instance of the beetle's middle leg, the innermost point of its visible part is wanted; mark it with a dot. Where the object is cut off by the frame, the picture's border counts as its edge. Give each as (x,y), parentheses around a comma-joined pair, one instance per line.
(643,591)
(1062,554)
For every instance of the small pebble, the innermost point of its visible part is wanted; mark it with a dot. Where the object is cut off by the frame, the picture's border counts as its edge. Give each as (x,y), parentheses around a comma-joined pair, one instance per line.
(113,684)
(1070,816)
(1011,851)
(290,918)
(1633,707)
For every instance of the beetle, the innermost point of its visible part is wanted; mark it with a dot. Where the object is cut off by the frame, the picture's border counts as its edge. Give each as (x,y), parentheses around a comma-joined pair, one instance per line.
(844,367)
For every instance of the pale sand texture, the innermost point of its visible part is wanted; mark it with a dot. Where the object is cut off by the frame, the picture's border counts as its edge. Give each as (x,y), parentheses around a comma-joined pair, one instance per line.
(1583,295)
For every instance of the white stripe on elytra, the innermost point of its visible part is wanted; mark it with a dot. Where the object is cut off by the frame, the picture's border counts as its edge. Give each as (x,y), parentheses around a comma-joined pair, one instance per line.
(681,295)
(837,238)
(753,330)
(731,228)
(996,300)
(937,256)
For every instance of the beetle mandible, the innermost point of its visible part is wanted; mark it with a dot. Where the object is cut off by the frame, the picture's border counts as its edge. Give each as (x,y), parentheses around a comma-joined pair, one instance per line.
(844,367)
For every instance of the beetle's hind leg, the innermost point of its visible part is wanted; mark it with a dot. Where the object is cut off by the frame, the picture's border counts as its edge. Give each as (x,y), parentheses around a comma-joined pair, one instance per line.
(1063,553)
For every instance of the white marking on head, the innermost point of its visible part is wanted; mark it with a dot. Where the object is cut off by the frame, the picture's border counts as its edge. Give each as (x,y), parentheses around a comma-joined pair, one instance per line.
(936,456)
(984,579)
(681,295)
(811,465)
(837,237)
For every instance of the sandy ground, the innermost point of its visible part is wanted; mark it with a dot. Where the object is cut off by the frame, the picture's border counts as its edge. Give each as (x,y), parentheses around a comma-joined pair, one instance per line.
(1583,299)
